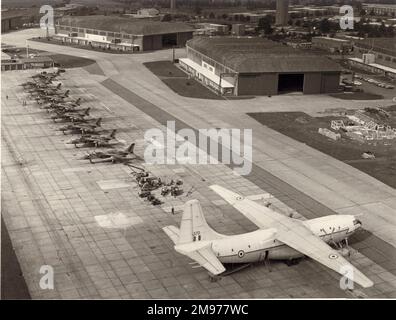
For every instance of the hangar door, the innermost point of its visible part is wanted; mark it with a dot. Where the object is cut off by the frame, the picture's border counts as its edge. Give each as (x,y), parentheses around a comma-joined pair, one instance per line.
(169,40)
(290,82)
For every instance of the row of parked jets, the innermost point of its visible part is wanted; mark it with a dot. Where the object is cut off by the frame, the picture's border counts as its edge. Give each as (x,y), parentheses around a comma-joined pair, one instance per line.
(47,91)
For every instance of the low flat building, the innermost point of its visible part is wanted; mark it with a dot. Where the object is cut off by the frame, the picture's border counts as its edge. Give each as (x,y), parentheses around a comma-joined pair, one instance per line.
(384,50)
(373,67)
(332,44)
(255,66)
(238,30)
(299,44)
(10,64)
(110,32)
(211,29)
(380,9)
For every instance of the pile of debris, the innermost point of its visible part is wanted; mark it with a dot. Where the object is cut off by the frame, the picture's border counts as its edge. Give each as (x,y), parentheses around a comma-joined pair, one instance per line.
(364,128)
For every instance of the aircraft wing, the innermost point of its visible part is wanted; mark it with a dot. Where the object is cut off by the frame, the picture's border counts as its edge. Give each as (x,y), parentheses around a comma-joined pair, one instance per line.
(260,215)
(203,255)
(300,238)
(292,233)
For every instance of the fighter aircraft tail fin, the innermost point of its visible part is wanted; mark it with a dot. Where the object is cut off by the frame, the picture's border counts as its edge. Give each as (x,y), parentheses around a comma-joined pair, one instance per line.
(131,148)
(193,226)
(67,93)
(78,101)
(59,85)
(99,122)
(113,133)
(87,111)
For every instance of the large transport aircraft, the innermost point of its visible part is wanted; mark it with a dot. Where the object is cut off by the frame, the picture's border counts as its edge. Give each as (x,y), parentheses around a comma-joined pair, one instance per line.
(279,237)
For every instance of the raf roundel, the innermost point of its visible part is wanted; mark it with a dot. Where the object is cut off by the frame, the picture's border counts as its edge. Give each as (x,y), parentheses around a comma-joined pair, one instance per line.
(333,256)
(241,253)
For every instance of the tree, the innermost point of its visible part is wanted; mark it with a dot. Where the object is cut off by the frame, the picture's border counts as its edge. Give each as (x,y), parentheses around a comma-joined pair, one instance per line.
(324,26)
(198,10)
(264,24)
(167,17)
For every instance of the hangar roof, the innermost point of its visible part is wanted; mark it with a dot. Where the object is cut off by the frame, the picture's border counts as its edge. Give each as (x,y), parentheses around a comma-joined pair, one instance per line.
(257,55)
(124,25)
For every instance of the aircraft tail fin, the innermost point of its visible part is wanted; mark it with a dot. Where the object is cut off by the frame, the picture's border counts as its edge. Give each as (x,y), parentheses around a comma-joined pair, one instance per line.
(113,133)
(87,111)
(193,226)
(131,148)
(99,122)
(78,101)
(67,93)
(59,85)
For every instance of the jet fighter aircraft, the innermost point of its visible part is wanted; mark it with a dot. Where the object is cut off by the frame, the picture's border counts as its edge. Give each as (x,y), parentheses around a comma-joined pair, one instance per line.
(113,156)
(95,141)
(71,115)
(279,237)
(47,75)
(87,127)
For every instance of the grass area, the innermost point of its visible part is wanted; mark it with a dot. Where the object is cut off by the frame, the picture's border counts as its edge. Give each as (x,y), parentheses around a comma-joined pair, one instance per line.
(179,82)
(66,61)
(304,128)
(165,69)
(357,96)
(190,88)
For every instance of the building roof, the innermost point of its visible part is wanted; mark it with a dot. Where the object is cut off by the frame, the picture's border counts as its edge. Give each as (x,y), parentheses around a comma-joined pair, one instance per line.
(380,44)
(331,39)
(12,14)
(257,55)
(124,25)
(39,59)
(5,56)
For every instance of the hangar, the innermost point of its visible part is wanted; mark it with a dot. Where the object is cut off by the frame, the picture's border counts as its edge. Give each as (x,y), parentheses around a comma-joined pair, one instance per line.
(255,66)
(112,32)
(11,20)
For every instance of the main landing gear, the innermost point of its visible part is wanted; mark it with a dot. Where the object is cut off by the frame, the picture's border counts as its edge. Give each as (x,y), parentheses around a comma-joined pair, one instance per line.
(292,262)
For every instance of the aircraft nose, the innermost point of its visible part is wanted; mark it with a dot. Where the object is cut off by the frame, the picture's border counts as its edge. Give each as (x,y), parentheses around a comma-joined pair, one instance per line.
(357,223)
